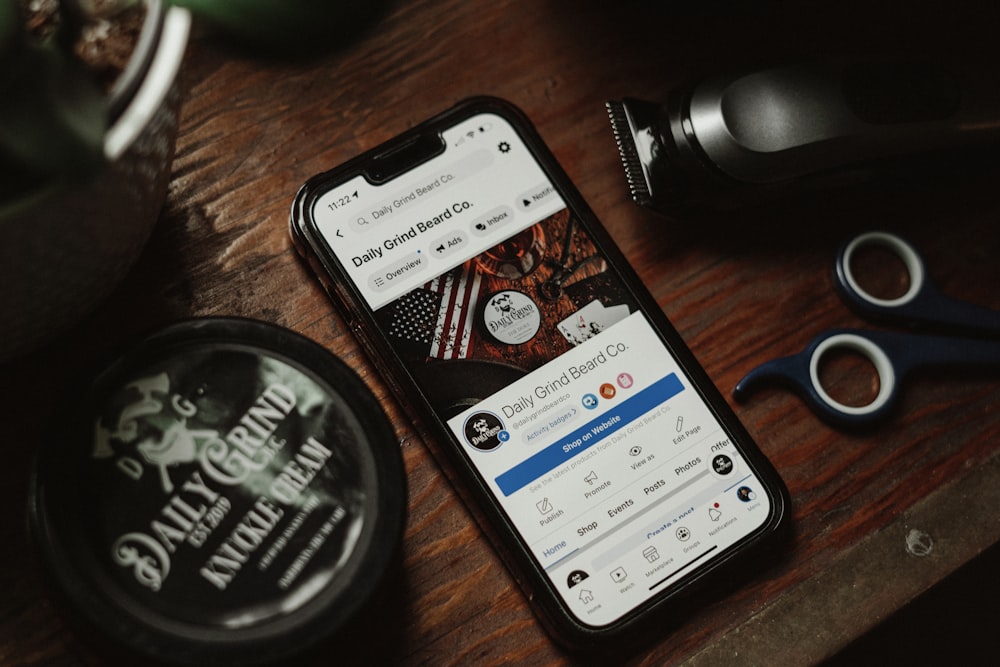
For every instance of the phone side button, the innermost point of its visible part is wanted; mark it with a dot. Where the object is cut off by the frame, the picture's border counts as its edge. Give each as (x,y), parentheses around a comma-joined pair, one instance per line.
(386,374)
(317,268)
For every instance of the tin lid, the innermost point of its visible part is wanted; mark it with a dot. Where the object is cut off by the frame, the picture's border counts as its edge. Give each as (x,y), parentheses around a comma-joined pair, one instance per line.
(226,492)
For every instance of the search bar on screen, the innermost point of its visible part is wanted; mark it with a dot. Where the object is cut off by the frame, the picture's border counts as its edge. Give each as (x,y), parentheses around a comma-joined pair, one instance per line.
(435,183)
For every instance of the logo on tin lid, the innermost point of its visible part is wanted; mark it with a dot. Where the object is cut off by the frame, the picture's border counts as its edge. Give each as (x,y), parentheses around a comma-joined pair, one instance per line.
(221,473)
(511,317)
(154,422)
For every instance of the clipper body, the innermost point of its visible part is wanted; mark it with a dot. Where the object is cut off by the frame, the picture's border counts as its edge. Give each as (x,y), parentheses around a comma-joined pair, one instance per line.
(737,139)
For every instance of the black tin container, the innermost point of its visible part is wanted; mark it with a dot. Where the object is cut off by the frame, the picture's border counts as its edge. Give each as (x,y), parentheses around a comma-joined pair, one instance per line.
(226,493)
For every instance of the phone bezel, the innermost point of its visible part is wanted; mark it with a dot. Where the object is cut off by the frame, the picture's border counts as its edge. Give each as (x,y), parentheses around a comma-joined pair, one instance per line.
(491,516)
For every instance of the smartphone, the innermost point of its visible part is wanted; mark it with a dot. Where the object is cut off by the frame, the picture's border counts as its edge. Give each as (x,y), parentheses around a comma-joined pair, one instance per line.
(608,470)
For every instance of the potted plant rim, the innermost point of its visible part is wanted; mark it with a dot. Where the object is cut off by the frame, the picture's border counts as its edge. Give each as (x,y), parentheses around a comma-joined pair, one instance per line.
(85,168)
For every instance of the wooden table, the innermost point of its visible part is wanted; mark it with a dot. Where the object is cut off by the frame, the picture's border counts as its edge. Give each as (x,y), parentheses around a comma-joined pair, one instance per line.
(740,291)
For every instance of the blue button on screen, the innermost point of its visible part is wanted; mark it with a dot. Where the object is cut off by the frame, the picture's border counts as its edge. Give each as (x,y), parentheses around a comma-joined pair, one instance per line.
(588,435)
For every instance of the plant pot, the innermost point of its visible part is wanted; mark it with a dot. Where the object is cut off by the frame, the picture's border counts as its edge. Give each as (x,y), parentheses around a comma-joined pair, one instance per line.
(64,250)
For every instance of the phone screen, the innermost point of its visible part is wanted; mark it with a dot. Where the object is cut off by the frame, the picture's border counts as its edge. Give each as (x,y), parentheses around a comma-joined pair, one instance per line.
(530,346)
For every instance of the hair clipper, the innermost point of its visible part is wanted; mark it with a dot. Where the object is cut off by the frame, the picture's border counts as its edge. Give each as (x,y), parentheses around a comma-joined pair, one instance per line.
(732,140)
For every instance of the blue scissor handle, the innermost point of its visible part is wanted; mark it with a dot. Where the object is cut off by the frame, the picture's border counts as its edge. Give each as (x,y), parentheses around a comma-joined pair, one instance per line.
(922,304)
(894,356)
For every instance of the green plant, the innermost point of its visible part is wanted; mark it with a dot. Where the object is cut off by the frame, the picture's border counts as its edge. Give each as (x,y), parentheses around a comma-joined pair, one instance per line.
(53,114)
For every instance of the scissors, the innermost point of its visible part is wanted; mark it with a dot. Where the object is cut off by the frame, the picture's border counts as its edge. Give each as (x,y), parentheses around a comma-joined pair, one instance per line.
(974,339)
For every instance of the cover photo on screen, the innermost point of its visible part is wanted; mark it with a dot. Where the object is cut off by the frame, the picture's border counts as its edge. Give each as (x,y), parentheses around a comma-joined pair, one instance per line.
(491,320)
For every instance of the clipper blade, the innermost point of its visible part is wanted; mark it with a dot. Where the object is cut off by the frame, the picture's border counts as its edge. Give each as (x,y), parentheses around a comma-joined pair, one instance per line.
(624,132)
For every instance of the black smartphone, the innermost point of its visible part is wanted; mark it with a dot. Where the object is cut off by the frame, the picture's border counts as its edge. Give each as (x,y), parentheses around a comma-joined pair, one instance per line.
(610,472)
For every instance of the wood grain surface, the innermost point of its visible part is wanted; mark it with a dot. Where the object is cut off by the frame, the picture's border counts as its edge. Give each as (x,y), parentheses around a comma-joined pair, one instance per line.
(741,290)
